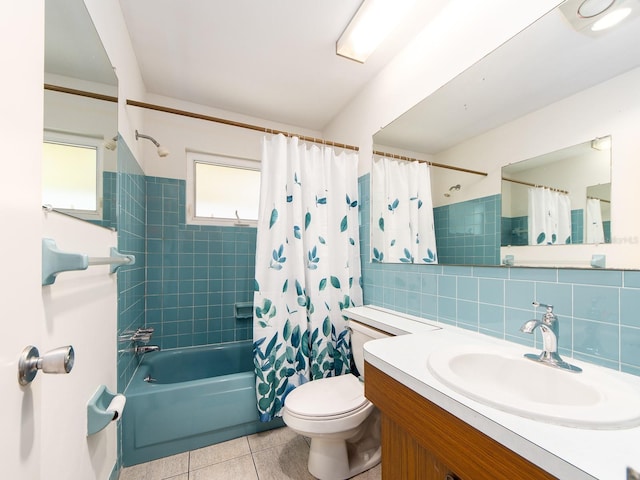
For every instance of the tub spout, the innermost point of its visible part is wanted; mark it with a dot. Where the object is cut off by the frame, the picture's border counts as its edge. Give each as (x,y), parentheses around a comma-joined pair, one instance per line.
(140,349)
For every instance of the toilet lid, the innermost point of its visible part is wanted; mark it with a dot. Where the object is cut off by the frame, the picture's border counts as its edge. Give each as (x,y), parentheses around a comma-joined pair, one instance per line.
(327,397)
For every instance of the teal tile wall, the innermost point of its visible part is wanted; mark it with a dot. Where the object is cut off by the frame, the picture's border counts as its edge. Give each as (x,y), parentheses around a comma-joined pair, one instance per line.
(577,226)
(469,232)
(599,310)
(195,274)
(131,240)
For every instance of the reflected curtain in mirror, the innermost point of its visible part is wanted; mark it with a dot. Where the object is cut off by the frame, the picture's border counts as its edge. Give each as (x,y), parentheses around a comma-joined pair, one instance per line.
(549,217)
(402,213)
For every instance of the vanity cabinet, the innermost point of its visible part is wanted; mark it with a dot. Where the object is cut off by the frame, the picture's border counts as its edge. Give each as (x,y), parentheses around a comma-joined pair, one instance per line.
(422,441)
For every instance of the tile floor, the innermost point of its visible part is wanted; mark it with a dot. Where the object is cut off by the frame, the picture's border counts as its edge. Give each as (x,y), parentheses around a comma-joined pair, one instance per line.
(278,454)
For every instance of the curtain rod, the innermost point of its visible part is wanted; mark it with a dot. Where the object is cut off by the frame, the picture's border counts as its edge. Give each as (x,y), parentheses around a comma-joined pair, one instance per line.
(534,185)
(433,164)
(199,116)
(601,199)
(81,93)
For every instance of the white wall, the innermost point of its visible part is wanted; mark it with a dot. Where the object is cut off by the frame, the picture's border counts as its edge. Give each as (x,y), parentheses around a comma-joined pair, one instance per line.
(179,134)
(43,424)
(22,53)
(80,309)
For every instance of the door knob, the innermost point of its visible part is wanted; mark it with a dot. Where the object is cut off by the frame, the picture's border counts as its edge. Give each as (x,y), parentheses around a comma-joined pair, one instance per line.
(58,360)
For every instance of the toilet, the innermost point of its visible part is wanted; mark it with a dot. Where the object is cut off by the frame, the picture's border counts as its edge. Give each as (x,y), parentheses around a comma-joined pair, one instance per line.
(343,425)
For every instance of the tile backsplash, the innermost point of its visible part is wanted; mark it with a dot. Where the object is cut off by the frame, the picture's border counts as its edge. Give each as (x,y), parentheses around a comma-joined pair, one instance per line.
(599,310)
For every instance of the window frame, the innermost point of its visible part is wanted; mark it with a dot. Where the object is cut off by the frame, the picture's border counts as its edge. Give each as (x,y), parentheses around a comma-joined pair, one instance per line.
(194,158)
(82,141)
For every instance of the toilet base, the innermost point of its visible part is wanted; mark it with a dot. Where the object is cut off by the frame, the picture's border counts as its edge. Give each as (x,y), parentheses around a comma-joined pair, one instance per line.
(338,460)
(334,458)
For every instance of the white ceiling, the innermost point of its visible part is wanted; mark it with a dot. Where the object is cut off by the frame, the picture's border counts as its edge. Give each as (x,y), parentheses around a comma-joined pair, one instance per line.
(270,59)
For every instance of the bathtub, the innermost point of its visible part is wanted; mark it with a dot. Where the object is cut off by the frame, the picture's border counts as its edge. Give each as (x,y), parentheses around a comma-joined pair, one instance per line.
(196,397)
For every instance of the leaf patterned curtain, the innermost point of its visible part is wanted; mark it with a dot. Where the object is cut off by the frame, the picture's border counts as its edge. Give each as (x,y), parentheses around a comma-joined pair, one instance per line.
(402,213)
(307,267)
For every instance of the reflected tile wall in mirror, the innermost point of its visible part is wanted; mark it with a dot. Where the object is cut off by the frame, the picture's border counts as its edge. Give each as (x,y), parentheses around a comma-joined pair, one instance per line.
(598,308)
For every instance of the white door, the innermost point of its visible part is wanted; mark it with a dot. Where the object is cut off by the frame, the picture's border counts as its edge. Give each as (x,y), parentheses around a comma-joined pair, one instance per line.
(21,315)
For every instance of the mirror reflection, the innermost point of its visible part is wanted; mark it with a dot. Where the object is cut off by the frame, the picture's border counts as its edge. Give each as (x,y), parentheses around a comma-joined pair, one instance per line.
(557,198)
(80,117)
(549,87)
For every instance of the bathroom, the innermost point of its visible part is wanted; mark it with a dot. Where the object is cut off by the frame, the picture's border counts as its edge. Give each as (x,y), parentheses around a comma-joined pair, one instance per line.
(35,418)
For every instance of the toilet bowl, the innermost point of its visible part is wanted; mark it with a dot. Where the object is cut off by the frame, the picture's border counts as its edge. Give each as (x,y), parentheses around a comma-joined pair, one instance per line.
(343,425)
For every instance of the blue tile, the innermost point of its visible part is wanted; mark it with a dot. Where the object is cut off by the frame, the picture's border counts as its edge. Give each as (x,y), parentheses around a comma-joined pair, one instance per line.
(467,313)
(491,291)
(596,339)
(519,294)
(429,283)
(631,279)
(560,295)
(491,317)
(446,309)
(596,303)
(539,274)
(630,307)
(467,288)
(447,286)
(591,277)
(630,346)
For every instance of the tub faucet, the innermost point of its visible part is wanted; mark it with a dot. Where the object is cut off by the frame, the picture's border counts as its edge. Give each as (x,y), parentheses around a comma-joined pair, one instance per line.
(140,349)
(549,327)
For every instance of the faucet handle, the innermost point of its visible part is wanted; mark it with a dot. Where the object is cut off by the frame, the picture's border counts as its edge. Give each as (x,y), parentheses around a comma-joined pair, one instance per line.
(548,307)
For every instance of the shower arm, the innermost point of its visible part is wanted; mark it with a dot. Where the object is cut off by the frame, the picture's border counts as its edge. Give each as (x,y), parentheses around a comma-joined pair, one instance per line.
(141,135)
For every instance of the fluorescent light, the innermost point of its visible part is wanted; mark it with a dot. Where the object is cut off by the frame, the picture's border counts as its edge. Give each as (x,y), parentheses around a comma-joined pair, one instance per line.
(601,143)
(611,19)
(371,24)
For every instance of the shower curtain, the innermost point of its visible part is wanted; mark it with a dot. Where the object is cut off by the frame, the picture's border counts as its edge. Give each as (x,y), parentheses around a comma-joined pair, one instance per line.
(307,267)
(549,217)
(594,229)
(402,213)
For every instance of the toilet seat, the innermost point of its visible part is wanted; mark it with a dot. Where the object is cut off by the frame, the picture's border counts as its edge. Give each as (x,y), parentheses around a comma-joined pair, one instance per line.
(327,398)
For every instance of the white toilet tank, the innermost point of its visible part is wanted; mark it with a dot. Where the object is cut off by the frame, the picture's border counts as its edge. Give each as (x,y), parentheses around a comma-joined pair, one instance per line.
(360,334)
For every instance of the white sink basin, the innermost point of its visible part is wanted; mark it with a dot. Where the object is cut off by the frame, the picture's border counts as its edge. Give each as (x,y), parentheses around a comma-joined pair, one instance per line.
(505,380)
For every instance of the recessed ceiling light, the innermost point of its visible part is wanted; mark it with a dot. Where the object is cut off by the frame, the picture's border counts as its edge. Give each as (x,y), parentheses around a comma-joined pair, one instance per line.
(611,19)
(591,8)
(593,16)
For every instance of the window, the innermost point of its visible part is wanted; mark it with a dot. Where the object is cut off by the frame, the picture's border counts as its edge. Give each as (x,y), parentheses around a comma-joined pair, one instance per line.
(72,174)
(222,190)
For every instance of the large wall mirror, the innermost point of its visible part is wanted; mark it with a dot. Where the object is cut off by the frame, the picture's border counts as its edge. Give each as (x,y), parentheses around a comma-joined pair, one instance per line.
(80,117)
(556,90)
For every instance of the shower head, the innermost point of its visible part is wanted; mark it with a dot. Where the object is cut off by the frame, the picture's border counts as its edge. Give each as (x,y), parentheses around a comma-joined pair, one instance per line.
(111,144)
(162,151)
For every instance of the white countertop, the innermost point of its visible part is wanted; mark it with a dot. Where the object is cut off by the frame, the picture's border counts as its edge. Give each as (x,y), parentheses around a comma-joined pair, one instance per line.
(566,452)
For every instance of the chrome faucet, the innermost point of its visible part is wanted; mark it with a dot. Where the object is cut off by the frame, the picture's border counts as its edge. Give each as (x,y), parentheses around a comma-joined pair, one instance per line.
(140,349)
(549,327)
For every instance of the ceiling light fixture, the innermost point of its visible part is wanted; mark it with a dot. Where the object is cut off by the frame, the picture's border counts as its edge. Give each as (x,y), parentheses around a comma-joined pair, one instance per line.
(601,143)
(611,19)
(595,16)
(371,24)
